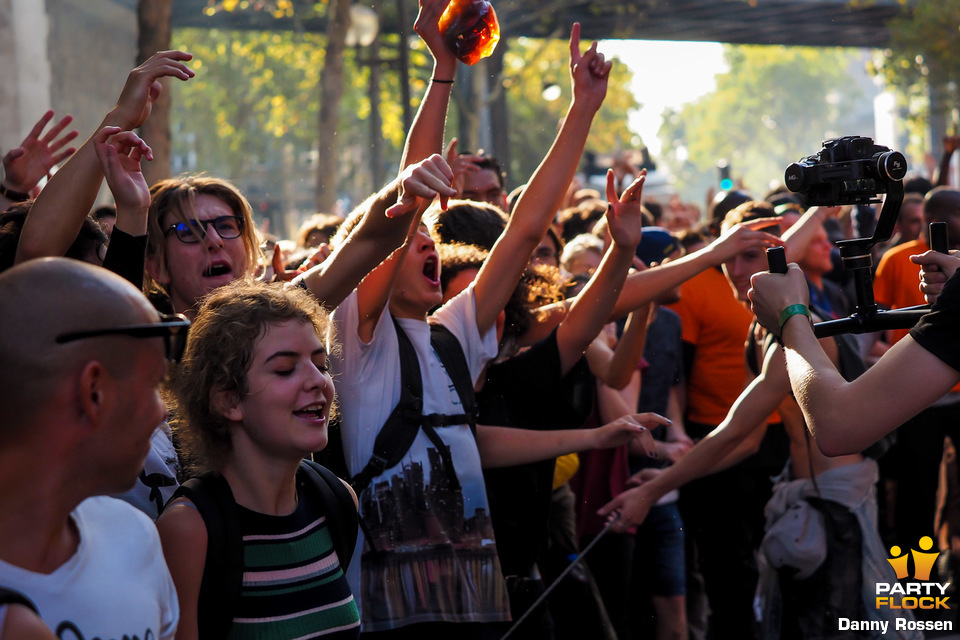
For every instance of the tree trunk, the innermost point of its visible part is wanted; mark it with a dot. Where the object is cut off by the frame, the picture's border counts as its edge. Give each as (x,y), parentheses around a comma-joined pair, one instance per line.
(331,90)
(153,22)
(376,122)
(499,115)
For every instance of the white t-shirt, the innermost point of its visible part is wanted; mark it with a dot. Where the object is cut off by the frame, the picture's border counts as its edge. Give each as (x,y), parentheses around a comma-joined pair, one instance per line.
(441,563)
(157,482)
(116,585)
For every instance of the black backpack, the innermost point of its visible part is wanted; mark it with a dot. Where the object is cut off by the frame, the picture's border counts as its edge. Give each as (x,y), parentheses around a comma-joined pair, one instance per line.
(397,434)
(223,569)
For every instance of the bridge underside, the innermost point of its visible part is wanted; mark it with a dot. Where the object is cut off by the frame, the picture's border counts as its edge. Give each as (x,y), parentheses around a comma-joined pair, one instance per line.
(788,22)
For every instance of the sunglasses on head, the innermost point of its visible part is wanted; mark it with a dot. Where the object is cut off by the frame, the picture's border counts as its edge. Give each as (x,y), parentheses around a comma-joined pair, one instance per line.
(172,328)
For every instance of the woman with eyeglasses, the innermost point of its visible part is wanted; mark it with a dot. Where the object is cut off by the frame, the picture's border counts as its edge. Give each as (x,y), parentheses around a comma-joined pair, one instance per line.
(201,236)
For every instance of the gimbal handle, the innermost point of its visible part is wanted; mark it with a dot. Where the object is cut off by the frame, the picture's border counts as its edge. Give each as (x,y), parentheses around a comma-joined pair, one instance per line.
(868,318)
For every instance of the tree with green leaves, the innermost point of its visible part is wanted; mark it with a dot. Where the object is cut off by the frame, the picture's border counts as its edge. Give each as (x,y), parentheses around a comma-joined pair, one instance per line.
(775,105)
(251,115)
(922,65)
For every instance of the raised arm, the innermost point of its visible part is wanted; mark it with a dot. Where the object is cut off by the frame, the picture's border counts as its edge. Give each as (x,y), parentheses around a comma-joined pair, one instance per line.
(536,207)
(27,164)
(56,216)
(903,382)
(419,183)
(426,131)
(593,306)
(629,350)
(507,446)
(387,221)
(645,286)
(120,154)
(950,146)
(797,238)
(711,454)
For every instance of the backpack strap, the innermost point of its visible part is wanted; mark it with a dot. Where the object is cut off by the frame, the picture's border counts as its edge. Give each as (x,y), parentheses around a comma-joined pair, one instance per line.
(448,349)
(338,507)
(223,569)
(400,430)
(9,596)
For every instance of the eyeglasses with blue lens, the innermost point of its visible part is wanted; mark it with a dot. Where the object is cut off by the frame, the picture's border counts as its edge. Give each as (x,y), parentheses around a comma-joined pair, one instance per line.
(193,231)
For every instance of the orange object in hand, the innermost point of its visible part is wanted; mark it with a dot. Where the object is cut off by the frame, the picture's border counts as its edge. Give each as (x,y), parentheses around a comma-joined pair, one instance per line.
(470,29)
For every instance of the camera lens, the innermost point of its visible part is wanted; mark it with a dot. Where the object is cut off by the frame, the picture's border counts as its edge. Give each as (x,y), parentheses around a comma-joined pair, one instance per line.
(892,164)
(793,177)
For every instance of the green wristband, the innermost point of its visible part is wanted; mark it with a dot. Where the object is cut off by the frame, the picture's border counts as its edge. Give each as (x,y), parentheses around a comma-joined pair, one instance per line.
(793,310)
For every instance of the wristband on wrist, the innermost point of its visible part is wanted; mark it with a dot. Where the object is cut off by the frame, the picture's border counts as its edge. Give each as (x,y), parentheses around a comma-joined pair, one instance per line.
(793,310)
(13,196)
(439,81)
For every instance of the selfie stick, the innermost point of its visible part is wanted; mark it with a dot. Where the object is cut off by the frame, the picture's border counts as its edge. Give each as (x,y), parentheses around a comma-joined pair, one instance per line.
(576,561)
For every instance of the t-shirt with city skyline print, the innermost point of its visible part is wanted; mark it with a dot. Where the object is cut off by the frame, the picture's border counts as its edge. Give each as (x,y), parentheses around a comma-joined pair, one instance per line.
(433,557)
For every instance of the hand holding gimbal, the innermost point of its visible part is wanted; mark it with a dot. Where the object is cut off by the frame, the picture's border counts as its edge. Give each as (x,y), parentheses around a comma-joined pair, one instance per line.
(849,171)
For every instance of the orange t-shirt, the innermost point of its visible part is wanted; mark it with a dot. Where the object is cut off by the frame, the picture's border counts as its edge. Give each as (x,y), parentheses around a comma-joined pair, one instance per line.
(897,283)
(716,323)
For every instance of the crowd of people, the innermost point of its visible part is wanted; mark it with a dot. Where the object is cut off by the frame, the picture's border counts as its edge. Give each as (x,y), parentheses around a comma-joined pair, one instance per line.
(411,422)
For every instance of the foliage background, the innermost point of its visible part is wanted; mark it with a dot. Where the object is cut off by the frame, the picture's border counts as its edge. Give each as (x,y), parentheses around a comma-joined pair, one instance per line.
(251,113)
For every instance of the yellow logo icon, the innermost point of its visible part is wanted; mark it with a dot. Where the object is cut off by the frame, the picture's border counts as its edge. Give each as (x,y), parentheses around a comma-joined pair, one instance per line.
(923,561)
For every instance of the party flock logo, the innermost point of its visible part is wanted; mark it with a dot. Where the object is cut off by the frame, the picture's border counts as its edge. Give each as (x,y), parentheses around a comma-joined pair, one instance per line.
(918,593)
(910,592)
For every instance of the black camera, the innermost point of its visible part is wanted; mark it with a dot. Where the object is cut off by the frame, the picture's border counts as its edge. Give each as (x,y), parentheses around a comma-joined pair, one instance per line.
(848,170)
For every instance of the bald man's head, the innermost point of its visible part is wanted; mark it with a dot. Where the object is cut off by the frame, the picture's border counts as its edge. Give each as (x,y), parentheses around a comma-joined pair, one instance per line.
(42,299)
(943,205)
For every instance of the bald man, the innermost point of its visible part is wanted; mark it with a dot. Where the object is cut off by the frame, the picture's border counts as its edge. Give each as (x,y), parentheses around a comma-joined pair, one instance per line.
(82,354)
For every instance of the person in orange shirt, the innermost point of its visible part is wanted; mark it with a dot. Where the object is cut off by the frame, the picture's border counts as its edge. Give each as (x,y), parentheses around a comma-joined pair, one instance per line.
(715,325)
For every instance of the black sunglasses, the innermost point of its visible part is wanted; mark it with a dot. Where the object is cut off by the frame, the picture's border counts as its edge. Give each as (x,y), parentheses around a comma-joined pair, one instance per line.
(172,328)
(193,231)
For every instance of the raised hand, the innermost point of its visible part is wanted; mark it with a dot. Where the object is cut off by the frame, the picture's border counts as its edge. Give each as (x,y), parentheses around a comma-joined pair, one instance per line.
(427,27)
(744,236)
(422,182)
(631,427)
(143,87)
(951,144)
(624,213)
(26,165)
(281,273)
(589,72)
(460,164)
(120,153)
